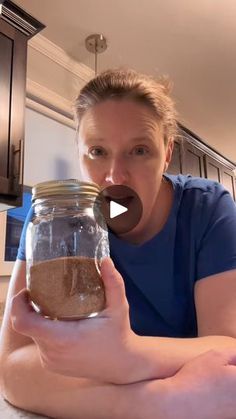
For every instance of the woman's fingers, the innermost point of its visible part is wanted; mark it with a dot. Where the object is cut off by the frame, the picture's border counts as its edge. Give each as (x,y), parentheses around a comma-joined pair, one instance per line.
(26,321)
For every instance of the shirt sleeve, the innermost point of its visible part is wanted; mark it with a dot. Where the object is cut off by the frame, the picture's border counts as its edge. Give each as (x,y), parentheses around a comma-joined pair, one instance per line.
(217,250)
(21,249)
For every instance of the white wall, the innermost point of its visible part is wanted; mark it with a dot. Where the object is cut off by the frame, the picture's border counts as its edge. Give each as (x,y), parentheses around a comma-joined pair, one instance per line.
(50,150)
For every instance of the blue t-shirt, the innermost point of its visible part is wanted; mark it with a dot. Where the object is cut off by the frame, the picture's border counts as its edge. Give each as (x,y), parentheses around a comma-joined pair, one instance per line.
(198,240)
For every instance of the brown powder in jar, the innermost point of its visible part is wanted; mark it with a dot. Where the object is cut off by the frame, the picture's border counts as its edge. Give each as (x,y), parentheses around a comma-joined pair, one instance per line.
(67,287)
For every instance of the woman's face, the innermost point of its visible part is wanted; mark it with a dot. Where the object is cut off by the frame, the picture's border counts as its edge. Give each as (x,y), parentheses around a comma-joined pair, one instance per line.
(120,142)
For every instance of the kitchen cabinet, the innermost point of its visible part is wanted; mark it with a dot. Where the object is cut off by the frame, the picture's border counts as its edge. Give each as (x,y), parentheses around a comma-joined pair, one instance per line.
(192,156)
(217,171)
(176,163)
(212,168)
(193,162)
(228,180)
(16,28)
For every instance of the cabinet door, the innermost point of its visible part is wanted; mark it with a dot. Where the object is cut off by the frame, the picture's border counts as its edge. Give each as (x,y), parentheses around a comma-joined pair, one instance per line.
(192,160)
(175,166)
(228,180)
(213,169)
(13,49)
(6,52)
(197,162)
(220,173)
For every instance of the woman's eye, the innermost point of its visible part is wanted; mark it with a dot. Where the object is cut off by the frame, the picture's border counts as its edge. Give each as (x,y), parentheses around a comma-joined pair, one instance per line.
(96,152)
(140,151)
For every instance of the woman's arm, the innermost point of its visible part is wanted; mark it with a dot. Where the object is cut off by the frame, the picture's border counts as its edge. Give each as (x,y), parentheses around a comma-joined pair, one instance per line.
(28,386)
(122,357)
(9,338)
(203,389)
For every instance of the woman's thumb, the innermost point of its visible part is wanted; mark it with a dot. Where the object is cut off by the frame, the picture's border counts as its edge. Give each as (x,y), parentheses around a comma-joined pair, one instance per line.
(114,285)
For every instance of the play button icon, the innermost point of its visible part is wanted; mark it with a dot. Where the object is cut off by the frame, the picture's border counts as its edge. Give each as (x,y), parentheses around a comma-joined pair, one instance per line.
(120,206)
(116,209)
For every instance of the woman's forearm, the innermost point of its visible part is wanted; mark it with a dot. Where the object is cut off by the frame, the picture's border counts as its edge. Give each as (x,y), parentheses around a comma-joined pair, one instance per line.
(159,357)
(28,386)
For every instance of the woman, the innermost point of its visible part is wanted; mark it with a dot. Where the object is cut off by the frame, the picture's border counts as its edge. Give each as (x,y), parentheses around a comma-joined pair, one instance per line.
(170,296)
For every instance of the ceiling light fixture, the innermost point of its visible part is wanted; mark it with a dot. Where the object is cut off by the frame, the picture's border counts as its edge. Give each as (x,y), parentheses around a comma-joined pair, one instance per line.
(96,44)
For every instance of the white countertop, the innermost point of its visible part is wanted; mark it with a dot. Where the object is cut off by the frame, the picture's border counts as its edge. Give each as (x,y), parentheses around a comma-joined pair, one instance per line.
(7,411)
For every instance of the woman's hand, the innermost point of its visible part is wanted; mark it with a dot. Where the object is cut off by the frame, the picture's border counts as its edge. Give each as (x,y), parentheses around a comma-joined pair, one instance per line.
(99,348)
(204,388)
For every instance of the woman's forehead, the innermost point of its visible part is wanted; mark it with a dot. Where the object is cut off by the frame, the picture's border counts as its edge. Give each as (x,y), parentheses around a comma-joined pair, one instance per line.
(119,115)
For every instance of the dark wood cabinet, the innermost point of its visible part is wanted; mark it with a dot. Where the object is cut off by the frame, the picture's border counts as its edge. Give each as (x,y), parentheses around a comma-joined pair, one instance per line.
(192,160)
(217,171)
(228,180)
(192,156)
(213,169)
(176,164)
(13,47)
(16,27)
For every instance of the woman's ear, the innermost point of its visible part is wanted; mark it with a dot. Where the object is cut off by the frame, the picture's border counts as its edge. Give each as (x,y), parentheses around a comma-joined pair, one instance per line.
(169,151)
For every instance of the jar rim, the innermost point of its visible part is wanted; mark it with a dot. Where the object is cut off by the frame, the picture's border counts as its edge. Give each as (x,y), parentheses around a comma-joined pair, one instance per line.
(64,187)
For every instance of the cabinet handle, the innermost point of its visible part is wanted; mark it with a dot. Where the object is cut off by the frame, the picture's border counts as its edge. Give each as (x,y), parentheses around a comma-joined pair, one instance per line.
(16,170)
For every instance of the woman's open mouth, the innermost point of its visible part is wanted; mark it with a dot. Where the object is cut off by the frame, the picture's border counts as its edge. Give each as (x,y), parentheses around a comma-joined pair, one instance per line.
(125,196)
(125,201)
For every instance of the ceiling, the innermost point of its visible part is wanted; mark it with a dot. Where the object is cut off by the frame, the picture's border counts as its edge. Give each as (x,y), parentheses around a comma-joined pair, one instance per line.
(193,42)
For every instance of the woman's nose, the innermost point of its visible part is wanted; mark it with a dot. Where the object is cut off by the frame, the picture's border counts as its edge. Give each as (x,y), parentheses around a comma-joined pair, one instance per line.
(117,173)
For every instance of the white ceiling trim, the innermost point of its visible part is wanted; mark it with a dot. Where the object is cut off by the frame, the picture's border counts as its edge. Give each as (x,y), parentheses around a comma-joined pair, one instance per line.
(44,110)
(59,56)
(45,95)
(45,101)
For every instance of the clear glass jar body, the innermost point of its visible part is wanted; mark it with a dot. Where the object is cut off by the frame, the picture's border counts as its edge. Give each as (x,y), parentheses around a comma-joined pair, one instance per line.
(64,248)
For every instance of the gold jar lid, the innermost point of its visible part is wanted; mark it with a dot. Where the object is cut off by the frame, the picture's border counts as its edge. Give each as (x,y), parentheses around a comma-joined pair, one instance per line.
(64,187)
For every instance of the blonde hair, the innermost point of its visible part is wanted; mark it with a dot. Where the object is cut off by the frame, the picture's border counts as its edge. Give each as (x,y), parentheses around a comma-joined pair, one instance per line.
(128,84)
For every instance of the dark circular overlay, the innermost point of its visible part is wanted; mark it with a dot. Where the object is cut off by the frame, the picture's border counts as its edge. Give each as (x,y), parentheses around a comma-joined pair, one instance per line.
(124,197)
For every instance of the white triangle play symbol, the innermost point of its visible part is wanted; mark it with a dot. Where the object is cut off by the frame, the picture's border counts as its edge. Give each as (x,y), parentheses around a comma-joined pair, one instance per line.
(116,209)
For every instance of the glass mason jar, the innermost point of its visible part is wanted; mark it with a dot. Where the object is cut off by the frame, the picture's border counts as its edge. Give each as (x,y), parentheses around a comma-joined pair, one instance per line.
(64,248)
